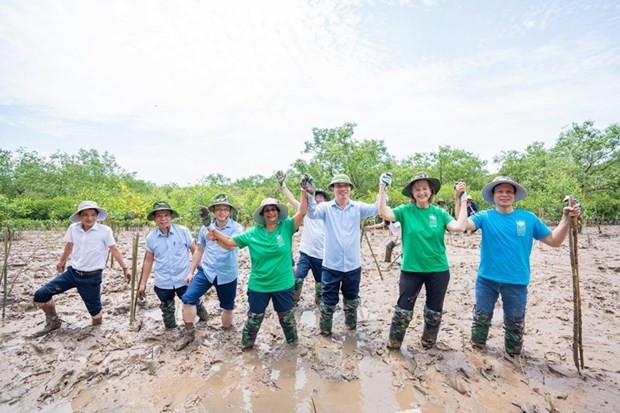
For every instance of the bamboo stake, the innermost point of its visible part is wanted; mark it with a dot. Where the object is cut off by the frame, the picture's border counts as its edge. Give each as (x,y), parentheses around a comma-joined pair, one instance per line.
(577,320)
(373,254)
(394,260)
(7,246)
(134,273)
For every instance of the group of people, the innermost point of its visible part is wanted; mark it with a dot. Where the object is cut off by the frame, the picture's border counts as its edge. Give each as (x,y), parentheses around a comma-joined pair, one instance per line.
(329,248)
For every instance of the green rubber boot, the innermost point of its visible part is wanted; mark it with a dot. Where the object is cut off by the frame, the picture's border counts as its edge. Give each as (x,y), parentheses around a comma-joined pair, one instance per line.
(480,328)
(318,293)
(203,315)
(299,283)
(350,313)
(168,314)
(513,335)
(327,319)
(289,326)
(398,328)
(432,321)
(250,330)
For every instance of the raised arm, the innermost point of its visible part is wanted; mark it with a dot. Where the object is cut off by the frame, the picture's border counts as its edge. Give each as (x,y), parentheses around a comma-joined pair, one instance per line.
(280,176)
(460,208)
(384,210)
(462,222)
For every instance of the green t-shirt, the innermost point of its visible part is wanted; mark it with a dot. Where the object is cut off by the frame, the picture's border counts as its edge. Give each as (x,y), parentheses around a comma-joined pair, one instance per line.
(270,253)
(422,237)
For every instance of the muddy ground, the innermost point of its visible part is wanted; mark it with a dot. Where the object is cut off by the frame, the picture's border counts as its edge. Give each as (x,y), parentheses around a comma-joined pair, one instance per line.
(120,367)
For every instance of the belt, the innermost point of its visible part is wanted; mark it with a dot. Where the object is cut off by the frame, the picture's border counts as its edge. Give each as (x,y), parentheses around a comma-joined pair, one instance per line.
(86,273)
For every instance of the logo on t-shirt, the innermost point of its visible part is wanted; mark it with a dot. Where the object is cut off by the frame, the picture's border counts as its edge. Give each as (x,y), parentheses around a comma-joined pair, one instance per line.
(432,221)
(521,228)
(280,240)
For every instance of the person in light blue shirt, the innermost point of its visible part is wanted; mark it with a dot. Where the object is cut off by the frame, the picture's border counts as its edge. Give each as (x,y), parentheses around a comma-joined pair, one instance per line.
(311,245)
(168,249)
(342,265)
(507,238)
(217,266)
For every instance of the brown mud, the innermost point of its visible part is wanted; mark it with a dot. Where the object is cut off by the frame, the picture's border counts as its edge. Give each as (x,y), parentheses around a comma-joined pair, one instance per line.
(120,367)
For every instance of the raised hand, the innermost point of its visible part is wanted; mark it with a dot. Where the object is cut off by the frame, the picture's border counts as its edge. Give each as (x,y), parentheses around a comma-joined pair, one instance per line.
(307,184)
(385,179)
(281,177)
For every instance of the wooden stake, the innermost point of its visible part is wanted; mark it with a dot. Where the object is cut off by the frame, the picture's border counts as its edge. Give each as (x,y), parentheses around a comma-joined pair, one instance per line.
(577,320)
(134,273)
(6,234)
(373,253)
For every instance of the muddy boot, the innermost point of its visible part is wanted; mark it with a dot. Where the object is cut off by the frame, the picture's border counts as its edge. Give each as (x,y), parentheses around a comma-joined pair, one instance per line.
(201,311)
(250,330)
(51,323)
(318,293)
(513,335)
(388,251)
(432,321)
(187,338)
(168,314)
(480,329)
(350,313)
(327,318)
(289,326)
(400,322)
(299,283)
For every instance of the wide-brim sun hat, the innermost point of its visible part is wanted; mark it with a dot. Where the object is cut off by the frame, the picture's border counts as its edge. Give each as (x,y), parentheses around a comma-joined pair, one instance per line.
(282,214)
(340,179)
(102,214)
(161,206)
(421,176)
(487,191)
(325,194)
(221,199)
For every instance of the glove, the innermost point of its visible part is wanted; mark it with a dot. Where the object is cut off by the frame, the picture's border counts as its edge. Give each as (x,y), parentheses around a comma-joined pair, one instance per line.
(385,179)
(281,176)
(307,184)
(464,198)
(205,216)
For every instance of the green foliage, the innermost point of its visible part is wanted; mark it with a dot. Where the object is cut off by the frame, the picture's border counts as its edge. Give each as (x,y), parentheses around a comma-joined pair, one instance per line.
(39,192)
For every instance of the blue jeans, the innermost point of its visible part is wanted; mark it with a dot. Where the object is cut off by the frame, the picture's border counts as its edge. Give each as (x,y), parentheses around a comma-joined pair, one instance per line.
(200,284)
(411,283)
(514,297)
(89,289)
(166,295)
(307,263)
(346,281)
(282,301)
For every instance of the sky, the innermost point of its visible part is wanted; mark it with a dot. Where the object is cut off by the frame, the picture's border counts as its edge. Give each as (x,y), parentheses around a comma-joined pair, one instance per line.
(179,90)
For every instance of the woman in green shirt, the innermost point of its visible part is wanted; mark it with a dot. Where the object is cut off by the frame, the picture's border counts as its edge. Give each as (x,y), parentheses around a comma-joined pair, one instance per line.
(271,278)
(424,260)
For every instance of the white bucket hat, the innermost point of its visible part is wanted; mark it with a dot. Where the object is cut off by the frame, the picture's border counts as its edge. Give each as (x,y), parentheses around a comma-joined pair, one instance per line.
(102,214)
(487,191)
(282,210)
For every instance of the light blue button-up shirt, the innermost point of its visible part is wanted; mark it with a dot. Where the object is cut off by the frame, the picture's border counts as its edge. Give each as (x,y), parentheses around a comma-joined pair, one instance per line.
(342,231)
(218,261)
(171,255)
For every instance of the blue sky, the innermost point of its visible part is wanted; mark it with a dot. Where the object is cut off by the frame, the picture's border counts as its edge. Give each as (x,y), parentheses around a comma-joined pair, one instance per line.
(180,90)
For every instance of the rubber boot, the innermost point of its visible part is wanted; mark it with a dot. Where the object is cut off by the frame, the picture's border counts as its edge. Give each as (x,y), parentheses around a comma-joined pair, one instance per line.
(513,335)
(289,326)
(480,328)
(187,338)
(432,322)
(350,313)
(299,283)
(327,319)
(388,251)
(318,293)
(400,322)
(201,311)
(168,314)
(250,330)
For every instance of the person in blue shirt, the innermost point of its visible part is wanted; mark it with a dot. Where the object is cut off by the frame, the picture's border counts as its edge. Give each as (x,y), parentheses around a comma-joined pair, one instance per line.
(342,267)
(310,245)
(168,249)
(217,266)
(507,239)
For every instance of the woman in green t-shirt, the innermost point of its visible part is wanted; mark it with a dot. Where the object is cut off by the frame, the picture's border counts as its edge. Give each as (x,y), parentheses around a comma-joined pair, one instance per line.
(271,278)
(424,260)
